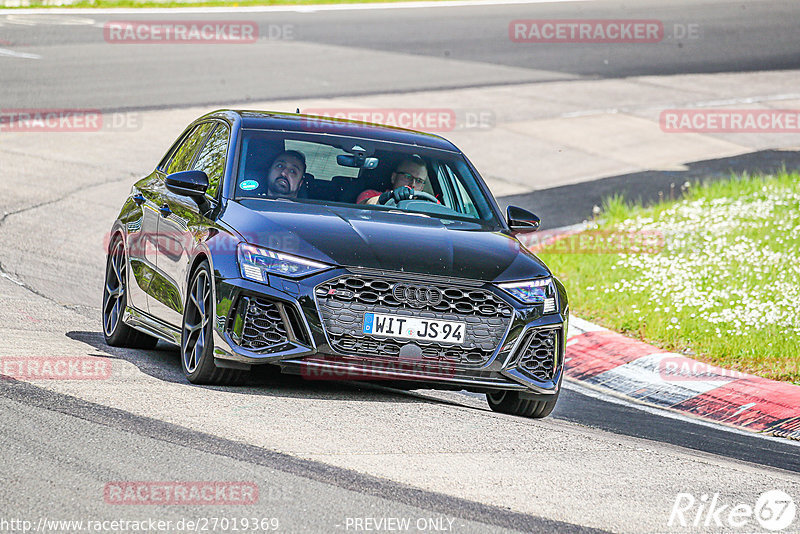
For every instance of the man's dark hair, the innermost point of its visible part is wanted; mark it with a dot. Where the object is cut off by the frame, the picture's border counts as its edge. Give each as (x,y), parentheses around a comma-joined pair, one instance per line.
(297,154)
(414,159)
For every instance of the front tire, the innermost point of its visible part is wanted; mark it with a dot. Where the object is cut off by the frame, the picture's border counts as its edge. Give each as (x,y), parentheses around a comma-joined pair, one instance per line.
(115,300)
(197,340)
(510,402)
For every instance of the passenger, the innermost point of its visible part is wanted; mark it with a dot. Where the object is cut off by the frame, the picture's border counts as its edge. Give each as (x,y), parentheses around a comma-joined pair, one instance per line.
(286,174)
(410,174)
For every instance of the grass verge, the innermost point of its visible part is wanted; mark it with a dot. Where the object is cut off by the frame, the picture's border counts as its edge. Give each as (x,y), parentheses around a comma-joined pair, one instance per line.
(714,275)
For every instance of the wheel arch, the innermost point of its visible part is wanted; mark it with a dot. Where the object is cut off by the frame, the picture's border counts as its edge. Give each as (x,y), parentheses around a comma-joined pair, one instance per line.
(200,255)
(117,230)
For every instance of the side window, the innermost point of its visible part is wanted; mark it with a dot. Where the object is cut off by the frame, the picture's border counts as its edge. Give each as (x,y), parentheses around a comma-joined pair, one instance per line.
(212,158)
(465,200)
(454,193)
(182,157)
(444,183)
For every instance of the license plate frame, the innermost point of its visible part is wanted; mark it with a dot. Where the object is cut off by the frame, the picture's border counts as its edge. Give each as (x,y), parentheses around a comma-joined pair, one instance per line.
(403,327)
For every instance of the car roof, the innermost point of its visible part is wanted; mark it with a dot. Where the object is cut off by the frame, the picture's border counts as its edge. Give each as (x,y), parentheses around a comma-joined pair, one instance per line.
(296,122)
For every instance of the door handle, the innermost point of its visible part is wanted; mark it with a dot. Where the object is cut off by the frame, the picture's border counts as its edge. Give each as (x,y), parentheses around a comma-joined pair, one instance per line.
(165,211)
(138,198)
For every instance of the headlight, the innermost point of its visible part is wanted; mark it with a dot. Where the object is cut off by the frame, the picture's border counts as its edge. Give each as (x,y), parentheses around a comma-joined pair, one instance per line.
(541,291)
(256,263)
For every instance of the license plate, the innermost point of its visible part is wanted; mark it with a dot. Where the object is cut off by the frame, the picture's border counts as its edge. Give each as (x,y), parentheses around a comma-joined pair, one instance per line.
(404,327)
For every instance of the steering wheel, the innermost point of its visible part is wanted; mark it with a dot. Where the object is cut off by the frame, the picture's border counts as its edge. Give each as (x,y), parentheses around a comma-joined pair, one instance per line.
(415,195)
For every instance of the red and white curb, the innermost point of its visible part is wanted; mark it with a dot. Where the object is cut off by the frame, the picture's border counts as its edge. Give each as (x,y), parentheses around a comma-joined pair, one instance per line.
(610,362)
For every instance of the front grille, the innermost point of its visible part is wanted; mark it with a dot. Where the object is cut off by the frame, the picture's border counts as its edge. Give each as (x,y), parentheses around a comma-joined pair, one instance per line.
(343,301)
(378,292)
(538,354)
(389,347)
(258,325)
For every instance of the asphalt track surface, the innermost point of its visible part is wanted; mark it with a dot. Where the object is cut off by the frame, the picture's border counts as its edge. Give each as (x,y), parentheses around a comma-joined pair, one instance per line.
(337,53)
(291,483)
(66,442)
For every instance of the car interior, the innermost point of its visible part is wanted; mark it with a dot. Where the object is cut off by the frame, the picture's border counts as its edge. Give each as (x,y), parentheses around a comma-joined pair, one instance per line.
(341,173)
(324,179)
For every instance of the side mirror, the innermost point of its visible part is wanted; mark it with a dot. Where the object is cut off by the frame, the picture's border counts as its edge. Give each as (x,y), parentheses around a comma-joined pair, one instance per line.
(188,183)
(521,221)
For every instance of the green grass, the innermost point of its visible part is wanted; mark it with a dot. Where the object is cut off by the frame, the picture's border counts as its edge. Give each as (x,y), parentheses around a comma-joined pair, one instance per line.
(725,286)
(182,3)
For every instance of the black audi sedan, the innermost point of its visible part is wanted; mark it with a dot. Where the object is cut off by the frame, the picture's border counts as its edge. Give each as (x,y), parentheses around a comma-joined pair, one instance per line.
(335,250)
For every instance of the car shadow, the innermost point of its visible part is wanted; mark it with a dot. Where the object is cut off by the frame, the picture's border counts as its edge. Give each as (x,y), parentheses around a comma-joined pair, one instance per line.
(163,363)
(573,204)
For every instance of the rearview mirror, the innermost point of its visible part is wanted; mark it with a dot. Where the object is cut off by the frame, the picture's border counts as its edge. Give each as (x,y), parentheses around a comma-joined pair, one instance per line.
(188,183)
(521,221)
(362,162)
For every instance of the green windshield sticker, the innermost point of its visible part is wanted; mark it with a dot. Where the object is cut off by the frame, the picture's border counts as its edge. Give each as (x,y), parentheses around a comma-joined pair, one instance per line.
(247,185)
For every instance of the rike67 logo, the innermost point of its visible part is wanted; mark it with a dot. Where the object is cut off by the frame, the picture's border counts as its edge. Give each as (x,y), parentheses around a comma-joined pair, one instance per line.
(774,511)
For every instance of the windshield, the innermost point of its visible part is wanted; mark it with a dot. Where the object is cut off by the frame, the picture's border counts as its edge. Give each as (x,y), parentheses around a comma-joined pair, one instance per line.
(440,184)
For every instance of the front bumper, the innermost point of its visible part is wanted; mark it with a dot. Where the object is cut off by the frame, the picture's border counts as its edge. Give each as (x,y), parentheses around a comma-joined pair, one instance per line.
(291,324)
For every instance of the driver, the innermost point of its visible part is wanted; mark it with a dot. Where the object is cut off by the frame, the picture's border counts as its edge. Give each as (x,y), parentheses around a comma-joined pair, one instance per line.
(411,173)
(286,174)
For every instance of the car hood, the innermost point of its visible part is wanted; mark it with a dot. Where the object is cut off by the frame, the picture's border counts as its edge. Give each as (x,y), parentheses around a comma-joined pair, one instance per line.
(387,240)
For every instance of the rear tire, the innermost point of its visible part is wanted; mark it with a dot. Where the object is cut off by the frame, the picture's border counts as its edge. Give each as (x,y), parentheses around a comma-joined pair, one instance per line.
(510,402)
(197,339)
(115,300)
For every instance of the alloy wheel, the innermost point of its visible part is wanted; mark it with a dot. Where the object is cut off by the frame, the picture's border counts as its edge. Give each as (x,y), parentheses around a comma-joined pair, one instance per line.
(197,318)
(114,294)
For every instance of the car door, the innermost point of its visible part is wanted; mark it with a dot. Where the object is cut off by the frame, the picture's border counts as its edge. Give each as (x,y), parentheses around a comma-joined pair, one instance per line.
(142,225)
(165,292)
(185,226)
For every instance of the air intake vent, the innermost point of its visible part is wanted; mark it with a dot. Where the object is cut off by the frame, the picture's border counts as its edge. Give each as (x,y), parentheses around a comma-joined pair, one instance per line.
(537,355)
(263,325)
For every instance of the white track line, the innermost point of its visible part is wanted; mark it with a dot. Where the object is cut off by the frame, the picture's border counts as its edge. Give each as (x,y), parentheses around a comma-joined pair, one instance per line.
(12,53)
(272,9)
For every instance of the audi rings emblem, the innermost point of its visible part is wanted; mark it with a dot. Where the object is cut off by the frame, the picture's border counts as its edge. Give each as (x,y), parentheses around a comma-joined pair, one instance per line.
(416,296)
